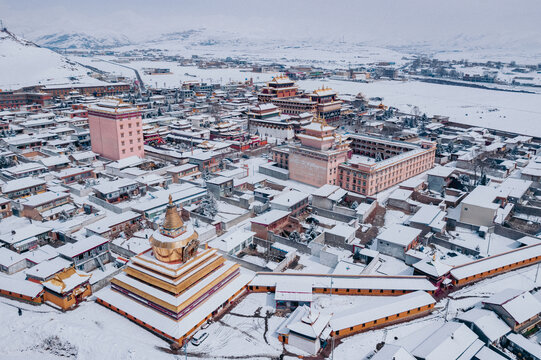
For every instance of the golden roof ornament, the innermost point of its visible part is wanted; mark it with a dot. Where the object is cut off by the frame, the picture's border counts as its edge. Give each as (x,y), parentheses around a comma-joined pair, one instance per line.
(173,221)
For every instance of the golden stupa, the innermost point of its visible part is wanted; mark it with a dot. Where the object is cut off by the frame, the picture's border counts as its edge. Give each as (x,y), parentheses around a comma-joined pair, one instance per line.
(174,241)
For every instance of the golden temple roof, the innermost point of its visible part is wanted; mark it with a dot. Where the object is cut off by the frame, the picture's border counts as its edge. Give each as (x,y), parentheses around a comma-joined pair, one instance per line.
(173,220)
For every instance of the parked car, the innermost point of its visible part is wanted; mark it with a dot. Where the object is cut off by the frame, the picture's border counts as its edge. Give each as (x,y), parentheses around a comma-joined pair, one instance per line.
(199,337)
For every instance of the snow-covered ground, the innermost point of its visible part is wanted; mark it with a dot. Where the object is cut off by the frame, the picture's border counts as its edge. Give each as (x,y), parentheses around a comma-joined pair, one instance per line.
(510,111)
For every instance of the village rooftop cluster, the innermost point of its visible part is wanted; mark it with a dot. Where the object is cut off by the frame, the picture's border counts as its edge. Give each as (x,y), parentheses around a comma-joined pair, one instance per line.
(349,228)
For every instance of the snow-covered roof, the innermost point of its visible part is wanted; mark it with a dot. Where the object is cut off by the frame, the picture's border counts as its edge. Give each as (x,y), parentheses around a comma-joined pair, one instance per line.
(427,214)
(18,286)
(71,250)
(66,281)
(483,196)
(43,198)
(432,267)
(19,184)
(308,322)
(24,233)
(520,307)
(399,234)
(107,187)
(9,257)
(496,261)
(515,187)
(395,352)
(104,225)
(231,239)
(448,342)
(487,321)
(181,168)
(363,282)
(400,194)
(270,217)
(289,199)
(527,345)
(441,171)
(48,268)
(55,160)
(398,304)
(287,290)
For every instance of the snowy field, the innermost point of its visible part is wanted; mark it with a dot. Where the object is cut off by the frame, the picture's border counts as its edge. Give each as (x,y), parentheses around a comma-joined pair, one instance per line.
(516,112)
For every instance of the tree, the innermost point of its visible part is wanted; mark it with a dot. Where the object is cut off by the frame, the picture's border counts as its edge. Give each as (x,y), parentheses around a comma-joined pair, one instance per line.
(295,236)
(450,147)
(208,207)
(439,149)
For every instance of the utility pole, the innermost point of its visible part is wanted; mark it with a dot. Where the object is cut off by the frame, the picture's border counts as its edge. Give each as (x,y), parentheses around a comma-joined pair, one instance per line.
(332,348)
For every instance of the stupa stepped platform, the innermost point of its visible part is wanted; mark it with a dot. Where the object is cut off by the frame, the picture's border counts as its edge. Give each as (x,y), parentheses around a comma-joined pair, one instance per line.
(176,305)
(172,277)
(166,326)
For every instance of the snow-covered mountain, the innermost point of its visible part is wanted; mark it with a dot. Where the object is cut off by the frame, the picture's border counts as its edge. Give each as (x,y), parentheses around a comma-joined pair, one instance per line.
(23,63)
(82,41)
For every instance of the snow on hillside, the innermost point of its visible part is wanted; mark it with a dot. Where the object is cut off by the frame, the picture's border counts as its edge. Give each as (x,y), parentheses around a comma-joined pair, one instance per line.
(81,41)
(22,63)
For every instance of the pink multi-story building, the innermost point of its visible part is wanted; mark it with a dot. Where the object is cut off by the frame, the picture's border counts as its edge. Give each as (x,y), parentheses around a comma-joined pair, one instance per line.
(378,163)
(115,129)
(315,161)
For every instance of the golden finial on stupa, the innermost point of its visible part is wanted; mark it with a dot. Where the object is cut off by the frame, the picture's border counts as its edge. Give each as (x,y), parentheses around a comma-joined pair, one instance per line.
(173,220)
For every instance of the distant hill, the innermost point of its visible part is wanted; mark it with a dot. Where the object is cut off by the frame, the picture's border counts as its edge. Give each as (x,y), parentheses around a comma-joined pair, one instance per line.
(81,41)
(24,63)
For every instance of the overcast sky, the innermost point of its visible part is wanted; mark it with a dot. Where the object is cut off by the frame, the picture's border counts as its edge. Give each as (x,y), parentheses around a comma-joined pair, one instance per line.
(377,21)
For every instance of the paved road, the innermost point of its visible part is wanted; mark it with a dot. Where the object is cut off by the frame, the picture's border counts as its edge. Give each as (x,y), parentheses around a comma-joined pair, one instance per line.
(139,79)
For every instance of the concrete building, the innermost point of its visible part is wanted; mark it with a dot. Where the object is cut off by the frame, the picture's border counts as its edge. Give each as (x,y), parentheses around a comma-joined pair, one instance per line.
(87,254)
(11,262)
(47,206)
(269,221)
(378,163)
(220,186)
(397,240)
(480,206)
(116,130)
(519,309)
(5,208)
(439,178)
(315,161)
(306,329)
(295,202)
(18,188)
